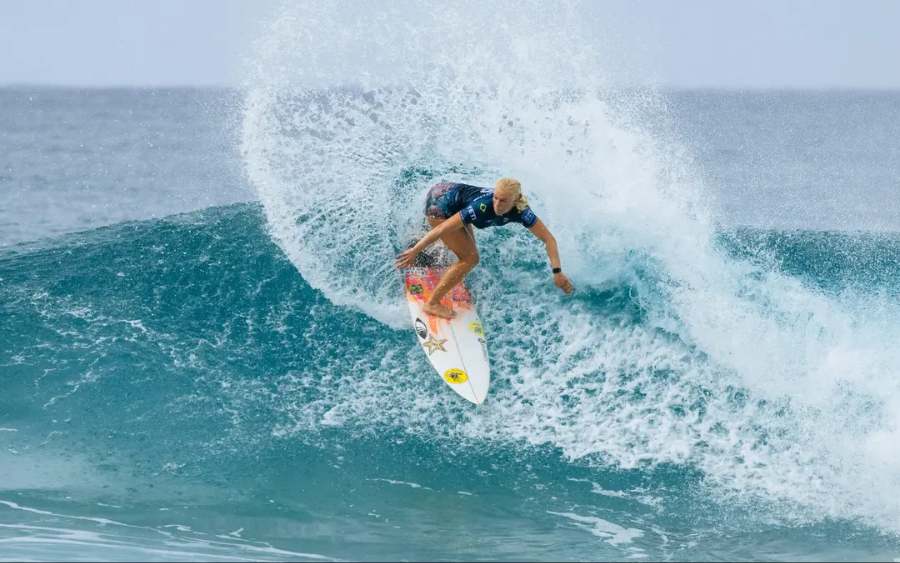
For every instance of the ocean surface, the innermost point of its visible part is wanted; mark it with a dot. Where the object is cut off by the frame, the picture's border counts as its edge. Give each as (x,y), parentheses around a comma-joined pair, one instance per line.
(204,353)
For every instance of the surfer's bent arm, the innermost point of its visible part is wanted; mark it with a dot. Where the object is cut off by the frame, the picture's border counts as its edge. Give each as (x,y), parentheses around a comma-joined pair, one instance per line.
(543,233)
(540,230)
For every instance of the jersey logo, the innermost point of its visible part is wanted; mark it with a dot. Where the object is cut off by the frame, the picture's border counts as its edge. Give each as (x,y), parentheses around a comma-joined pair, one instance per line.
(483,207)
(528,217)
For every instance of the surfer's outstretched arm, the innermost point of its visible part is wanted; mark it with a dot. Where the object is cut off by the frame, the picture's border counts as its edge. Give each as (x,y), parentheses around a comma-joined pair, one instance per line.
(542,232)
(406,258)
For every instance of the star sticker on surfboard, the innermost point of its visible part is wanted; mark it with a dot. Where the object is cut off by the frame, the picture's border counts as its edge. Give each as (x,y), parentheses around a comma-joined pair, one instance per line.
(433,344)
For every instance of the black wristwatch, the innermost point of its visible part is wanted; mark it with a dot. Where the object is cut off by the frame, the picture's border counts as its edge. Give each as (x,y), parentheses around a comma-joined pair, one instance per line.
(557,270)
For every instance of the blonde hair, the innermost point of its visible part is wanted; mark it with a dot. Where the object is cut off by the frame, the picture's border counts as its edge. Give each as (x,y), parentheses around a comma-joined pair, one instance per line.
(513,185)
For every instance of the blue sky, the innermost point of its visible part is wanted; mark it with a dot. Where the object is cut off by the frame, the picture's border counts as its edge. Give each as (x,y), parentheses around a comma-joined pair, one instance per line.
(691,43)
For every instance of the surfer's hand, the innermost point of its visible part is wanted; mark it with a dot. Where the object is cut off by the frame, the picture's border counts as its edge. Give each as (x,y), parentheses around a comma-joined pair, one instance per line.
(406,258)
(563,283)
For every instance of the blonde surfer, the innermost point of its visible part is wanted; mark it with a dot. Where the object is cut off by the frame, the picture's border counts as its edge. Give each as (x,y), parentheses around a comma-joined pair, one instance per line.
(453,208)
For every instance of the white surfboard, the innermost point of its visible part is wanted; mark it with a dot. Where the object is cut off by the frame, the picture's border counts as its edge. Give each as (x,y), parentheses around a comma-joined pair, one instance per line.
(455,347)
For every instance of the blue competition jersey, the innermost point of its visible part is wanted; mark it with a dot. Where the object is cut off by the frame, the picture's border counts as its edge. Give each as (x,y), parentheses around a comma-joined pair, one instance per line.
(476,206)
(480,212)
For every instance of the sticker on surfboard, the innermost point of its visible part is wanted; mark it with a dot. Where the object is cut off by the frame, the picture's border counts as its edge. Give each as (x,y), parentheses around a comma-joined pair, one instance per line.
(421,329)
(455,376)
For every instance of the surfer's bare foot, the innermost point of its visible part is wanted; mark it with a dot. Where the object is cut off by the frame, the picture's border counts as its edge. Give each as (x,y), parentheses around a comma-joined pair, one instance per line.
(438,311)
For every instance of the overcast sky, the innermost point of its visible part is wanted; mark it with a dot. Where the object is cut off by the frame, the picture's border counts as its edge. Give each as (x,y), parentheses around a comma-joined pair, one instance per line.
(687,43)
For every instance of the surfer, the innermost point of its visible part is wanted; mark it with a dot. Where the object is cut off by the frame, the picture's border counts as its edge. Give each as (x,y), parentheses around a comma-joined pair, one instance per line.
(452,209)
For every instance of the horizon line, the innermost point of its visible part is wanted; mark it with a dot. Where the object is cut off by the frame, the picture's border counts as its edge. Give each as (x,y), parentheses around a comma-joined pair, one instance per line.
(663,87)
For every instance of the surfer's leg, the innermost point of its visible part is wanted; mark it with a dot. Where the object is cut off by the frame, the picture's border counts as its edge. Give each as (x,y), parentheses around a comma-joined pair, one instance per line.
(462,243)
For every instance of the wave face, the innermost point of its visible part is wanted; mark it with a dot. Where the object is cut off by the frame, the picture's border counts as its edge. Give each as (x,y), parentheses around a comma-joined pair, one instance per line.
(164,372)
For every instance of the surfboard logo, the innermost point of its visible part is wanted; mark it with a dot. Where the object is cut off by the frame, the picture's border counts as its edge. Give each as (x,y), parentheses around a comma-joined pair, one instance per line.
(476,327)
(455,375)
(416,289)
(421,329)
(433,344)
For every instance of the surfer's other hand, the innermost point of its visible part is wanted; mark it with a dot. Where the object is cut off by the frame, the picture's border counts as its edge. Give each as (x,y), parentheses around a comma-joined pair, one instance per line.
(563,283)
(406,258)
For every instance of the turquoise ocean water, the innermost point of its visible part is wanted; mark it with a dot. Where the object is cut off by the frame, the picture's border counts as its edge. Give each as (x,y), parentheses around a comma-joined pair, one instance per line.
(204,353)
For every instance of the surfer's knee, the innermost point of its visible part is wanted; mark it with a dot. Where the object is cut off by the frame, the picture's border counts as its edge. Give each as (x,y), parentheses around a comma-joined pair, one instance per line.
(470,260)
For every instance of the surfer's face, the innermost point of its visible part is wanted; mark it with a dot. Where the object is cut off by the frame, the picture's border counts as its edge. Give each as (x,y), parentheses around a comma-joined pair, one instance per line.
(503,201)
